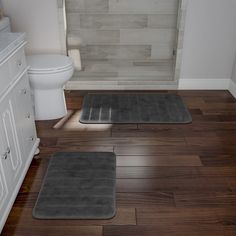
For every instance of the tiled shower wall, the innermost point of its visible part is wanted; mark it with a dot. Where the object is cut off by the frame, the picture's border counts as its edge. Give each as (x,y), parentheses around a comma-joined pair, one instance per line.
(124,38)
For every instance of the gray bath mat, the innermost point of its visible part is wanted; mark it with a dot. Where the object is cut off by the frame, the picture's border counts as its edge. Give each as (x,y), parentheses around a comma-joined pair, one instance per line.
(78,186)
(134,108)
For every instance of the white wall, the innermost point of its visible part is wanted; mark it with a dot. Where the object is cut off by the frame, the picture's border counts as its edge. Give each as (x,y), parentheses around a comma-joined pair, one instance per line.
(38,18)
(209,43)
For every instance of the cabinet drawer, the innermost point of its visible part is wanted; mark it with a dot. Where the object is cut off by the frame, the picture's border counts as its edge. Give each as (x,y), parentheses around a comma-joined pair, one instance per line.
(5,77)
(24,114)
(17,63)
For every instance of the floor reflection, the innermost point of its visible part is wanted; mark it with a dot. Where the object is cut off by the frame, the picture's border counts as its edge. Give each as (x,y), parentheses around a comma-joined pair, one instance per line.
(71,123)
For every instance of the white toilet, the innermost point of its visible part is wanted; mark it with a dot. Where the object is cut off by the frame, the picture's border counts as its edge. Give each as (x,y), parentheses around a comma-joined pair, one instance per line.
(48,74)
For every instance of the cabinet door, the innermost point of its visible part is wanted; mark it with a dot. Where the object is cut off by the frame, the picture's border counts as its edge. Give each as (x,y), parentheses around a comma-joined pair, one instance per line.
(5,164)
(5,180)
(12,162)
(4,193)
(24,115)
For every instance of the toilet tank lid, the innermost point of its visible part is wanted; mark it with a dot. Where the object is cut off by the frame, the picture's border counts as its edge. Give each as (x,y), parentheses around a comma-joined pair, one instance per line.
(48,62)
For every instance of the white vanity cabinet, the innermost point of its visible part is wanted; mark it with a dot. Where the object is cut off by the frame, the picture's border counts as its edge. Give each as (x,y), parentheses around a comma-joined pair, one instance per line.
(18,139)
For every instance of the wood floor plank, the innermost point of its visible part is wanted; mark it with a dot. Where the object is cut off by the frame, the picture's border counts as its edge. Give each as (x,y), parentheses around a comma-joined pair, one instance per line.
(204,141)
(147,133)
(217,171)
(162,172)
(216,111)
(228,99)
(197,125)
(200,216)
(26,199)
(53,230)
(171,160)
(204,93)
(194,103)
(151,150)
(171,230)
(172,150)
(172,184)
(232,183)
(151,199)
(205,199)
(223,159)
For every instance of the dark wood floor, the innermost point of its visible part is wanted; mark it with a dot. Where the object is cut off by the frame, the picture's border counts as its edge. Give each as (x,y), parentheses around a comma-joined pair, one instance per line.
(174,180)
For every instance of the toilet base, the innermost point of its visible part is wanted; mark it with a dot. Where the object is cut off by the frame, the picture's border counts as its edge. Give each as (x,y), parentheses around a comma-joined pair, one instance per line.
(49,104)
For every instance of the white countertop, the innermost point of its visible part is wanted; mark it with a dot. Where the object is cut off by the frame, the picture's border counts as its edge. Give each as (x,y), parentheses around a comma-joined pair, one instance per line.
(9,42)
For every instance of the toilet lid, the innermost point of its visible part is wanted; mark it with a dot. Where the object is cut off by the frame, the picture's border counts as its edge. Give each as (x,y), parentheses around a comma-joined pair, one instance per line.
(48,63)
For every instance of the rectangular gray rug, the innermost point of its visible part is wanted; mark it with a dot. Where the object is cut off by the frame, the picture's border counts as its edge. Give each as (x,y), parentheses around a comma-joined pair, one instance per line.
(78,185)
(134,108)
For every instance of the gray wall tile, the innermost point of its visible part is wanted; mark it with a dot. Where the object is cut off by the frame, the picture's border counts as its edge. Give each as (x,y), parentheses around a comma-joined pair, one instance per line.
(59,3)
(113,21)
(146,71)
(73,20)
(98,52)
(87,5)
(160,6)
(89,36)
(142,36)
(162,21)
(162,51)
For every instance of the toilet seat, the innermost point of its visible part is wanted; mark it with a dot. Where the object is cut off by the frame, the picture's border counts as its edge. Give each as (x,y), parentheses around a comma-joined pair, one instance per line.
(42,72)
(47,64)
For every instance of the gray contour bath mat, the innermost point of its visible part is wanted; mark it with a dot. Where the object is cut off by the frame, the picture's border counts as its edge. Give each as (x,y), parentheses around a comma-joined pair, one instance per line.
(134,108)
(78,185)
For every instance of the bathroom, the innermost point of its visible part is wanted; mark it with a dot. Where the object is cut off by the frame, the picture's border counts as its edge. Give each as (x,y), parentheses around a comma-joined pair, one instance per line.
(137,137)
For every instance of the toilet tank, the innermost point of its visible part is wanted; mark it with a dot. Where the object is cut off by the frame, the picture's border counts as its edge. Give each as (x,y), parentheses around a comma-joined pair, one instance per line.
(5,25)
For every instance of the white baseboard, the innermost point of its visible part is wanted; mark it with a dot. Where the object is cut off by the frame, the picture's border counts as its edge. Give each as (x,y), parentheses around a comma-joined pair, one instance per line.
(204,84)
(232,88)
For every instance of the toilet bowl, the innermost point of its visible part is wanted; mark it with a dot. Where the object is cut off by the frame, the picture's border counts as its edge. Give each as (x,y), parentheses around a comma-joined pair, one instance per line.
(48,75)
